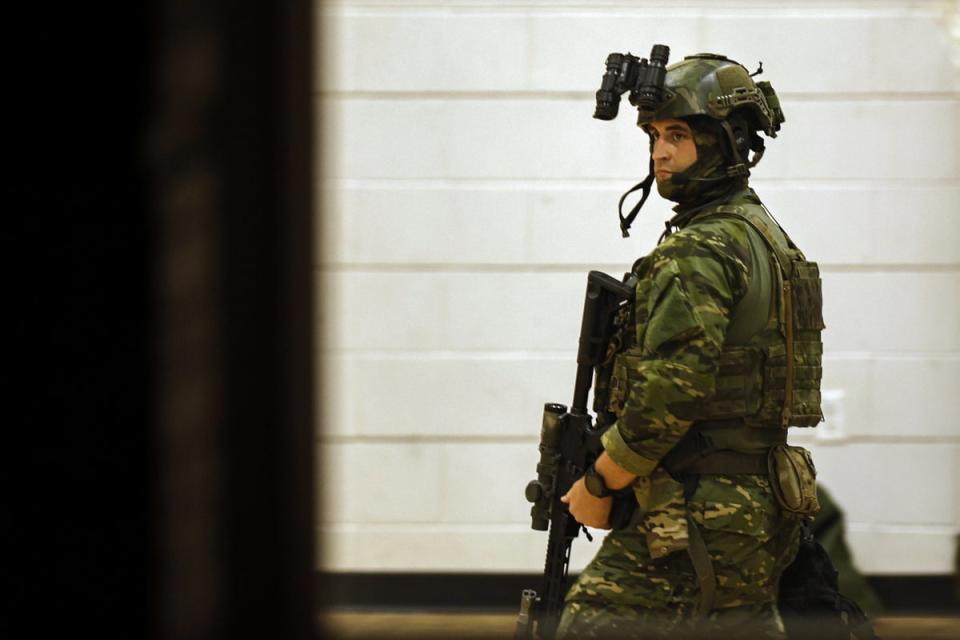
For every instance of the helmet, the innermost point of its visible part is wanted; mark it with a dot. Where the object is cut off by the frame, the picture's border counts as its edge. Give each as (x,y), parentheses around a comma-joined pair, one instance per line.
(724,107)
(708,84)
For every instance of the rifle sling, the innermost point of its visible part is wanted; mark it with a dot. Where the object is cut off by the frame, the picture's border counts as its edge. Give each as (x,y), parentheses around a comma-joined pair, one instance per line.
(703,567)
(711,463)
(699,556)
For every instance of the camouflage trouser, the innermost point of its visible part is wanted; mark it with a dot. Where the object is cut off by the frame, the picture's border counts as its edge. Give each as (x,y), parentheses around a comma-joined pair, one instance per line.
(624,593)
(613,622)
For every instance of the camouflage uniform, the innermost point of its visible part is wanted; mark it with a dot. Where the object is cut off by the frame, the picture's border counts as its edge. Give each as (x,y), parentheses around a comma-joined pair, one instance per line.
(690,298)
(686,290)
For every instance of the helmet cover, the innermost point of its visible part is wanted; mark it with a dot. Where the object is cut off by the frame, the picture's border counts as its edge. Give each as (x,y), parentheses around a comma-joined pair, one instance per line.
(713,85)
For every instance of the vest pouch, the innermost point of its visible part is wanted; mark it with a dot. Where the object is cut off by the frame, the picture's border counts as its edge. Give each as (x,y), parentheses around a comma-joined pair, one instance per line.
(807,308)
(807,293)
(620,379)
(738,384)
(793,479)
(807,373)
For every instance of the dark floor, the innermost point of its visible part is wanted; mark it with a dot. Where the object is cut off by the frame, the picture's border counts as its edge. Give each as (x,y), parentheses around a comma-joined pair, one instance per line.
(369,625)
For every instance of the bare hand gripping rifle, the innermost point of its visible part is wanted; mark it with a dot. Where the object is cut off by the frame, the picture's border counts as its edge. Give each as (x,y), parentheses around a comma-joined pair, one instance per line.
(569,443)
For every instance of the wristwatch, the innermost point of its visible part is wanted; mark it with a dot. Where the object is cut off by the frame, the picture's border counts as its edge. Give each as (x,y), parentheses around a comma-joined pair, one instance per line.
(595,483)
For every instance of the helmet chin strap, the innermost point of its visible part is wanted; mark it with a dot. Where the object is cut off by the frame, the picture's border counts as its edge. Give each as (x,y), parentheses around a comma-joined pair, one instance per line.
(738,168)
(645,184)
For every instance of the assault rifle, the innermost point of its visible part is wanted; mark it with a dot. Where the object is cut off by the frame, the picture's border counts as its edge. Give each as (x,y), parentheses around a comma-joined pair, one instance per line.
(569,443)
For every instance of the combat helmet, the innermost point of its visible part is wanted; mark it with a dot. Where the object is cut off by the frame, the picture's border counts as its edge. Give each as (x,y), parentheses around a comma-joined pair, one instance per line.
(712,85)
(717,93)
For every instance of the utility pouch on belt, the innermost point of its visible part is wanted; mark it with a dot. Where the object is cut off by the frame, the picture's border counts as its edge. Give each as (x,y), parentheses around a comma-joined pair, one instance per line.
(793,478)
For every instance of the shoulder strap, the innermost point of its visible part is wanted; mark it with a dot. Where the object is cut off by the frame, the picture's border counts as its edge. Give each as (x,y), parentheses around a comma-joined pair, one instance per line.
(741,212)
(784,261)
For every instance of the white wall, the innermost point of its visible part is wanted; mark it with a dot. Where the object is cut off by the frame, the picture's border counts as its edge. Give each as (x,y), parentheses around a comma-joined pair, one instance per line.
(467,191)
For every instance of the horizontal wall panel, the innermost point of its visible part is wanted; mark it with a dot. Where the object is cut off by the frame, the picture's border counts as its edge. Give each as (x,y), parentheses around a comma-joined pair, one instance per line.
(887,224)
(517,550)
(820,51)
(900,484)
(531,138)
(457,311)
(523,49)
(468,482)
(426,482)
(475,548)
(896,397)
(521,223)
(907,551)
(379,482)
(502,395)
(451,395)
(429,51)
(415,482)
(526,223)
(482,483)
(890,312)
(877,486)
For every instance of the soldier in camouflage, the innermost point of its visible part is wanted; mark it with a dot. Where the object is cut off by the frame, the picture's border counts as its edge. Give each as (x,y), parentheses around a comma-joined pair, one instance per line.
(720,353)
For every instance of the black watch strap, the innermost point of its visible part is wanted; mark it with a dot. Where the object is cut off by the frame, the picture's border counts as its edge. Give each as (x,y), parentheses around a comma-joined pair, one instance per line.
(595,483)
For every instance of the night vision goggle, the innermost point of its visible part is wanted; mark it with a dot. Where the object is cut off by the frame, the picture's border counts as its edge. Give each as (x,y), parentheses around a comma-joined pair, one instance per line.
(642,78)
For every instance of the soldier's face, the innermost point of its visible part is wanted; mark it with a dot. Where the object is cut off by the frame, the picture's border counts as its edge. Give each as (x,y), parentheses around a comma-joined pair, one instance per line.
(673,147)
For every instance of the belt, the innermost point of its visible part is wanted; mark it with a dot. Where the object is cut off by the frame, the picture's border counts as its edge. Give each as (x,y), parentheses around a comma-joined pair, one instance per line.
(689,469)
(721,463)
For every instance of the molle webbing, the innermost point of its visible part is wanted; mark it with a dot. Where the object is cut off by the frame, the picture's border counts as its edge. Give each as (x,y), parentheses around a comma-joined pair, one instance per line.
(787,411)
(776,379)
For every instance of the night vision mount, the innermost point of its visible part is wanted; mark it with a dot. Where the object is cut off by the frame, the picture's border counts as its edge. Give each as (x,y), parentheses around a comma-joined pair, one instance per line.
(643,79)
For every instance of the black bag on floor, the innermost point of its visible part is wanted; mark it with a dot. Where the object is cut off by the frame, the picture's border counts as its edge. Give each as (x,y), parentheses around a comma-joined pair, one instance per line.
(810,601)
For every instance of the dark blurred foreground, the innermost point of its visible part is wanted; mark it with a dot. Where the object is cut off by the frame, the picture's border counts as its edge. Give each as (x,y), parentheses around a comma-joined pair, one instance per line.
(156,254)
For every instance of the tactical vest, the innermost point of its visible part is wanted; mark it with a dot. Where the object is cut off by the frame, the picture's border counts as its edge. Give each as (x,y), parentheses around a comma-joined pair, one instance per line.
(768,377)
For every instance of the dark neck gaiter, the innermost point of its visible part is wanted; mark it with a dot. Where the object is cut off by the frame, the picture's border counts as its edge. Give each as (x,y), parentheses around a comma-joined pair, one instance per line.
(703,183)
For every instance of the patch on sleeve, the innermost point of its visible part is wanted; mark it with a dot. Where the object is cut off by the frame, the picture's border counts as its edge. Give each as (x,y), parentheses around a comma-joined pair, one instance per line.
(672,316)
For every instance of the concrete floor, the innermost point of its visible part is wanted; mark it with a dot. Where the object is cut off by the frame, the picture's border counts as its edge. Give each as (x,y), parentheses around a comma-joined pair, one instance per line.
(499,626)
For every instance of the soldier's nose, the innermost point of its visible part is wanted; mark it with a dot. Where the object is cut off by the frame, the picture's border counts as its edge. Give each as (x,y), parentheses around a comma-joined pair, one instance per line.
(660,151)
